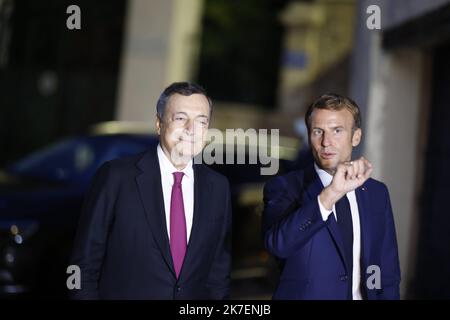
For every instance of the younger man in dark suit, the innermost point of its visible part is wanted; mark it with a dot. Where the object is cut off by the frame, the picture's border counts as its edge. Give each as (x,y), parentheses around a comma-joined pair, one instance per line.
(331,225)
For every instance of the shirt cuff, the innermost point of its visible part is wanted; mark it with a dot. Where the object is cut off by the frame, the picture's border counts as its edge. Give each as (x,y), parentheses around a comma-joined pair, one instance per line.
(324,212)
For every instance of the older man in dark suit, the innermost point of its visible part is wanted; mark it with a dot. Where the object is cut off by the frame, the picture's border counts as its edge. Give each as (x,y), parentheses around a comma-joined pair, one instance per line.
(155,225)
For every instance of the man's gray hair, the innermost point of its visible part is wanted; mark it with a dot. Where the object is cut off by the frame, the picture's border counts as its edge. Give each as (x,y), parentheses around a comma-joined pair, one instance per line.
(183,88)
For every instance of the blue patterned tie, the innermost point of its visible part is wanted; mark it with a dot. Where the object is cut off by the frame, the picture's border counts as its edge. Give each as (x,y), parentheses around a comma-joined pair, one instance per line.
(344,221)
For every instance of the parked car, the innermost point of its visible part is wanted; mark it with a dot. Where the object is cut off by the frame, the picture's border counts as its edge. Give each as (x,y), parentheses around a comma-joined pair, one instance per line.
(40,200)
(41,197)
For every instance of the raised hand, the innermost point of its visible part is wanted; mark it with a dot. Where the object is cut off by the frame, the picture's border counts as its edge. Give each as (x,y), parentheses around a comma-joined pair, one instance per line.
(349,176)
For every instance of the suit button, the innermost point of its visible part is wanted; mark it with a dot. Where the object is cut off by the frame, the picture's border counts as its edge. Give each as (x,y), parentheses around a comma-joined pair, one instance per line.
(343,278)
(178,288)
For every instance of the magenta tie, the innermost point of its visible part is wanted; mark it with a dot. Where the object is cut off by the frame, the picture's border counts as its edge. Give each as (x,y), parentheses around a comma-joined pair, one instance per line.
(178,238)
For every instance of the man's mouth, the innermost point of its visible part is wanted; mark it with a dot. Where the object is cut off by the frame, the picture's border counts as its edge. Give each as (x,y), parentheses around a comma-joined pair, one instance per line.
(187,140)
(327,155)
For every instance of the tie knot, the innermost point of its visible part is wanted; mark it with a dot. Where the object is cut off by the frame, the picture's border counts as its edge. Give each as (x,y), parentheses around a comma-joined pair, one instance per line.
(178,176)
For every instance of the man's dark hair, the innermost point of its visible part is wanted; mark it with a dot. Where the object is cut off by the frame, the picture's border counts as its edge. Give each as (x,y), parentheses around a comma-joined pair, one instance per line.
(335,102)
(183,88)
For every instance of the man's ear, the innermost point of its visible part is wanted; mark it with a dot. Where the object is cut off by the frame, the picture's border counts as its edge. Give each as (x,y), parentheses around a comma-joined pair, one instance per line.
(356,139)
(158,125)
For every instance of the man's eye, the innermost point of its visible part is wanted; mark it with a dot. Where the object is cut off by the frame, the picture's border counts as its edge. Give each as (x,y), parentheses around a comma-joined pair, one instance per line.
(317,132)
(179,118)
(338,130)
(201,122)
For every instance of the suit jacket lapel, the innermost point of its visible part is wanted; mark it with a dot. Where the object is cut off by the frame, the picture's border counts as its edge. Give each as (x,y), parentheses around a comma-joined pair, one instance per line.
(335,232)
(150,190)
(362,197)
(313,188)
(202,189)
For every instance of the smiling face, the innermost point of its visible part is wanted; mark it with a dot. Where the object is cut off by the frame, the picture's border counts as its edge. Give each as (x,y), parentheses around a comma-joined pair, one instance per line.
(184,127)
(332,137)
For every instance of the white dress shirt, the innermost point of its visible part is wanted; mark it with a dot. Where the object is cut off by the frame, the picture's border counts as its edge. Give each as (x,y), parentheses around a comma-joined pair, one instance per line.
(326,179)
(187,185)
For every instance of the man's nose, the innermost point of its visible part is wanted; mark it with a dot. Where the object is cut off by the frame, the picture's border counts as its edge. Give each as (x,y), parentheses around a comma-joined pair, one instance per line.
(325,140)
(189,127)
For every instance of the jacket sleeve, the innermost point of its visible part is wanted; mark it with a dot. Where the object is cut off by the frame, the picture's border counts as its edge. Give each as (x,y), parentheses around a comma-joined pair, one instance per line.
(90,241)
(390,266)
(219,275)
(288,224)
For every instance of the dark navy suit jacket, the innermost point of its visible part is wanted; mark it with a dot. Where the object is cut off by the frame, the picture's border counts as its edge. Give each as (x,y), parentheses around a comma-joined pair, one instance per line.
(310,251)
(122,246)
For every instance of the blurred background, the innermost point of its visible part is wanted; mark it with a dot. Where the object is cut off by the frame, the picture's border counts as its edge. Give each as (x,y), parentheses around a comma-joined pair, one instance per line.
(72,99)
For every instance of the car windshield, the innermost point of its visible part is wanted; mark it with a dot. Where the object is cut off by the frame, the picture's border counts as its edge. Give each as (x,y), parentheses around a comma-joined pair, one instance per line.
(76,159)
(58,162)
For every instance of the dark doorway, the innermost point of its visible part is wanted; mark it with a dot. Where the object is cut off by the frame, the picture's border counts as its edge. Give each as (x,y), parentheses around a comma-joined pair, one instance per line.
(55,81)
(240,50)
(433,272)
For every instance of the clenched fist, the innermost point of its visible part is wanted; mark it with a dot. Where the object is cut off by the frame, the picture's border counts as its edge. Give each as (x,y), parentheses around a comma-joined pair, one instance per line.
(348,176)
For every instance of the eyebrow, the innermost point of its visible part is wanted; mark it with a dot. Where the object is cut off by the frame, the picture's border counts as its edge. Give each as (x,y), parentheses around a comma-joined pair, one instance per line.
(185,114)
(336,127)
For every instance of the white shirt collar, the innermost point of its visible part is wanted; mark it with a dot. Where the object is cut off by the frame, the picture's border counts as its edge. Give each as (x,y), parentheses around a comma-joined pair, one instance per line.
(324,176)
(167,168)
